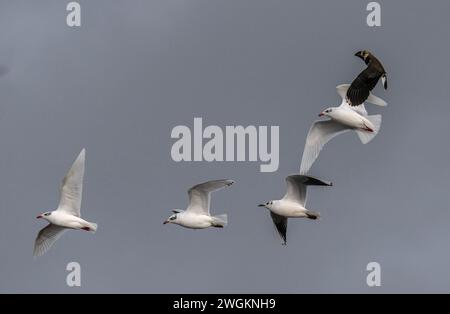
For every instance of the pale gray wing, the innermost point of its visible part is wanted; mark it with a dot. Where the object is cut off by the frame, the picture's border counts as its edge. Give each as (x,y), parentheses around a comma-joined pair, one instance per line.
(200,195)
(46,238)
(319,134)
(280,223)
(72,187)
(297,187)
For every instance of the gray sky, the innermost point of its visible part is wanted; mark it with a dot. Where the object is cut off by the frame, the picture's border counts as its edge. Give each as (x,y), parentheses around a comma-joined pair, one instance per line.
(135,69)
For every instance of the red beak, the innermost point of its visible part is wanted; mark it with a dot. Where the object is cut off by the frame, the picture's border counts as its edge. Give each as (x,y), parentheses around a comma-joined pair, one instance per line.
(321,114)
(40,216)
(165,222)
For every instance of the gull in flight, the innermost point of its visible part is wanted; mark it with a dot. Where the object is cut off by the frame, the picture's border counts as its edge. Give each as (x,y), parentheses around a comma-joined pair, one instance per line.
(67,215)
(342,119)
(292,205)
(197,215)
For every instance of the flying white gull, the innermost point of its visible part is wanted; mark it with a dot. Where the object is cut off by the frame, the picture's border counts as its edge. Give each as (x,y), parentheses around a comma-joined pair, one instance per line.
(67,215)
(197,215)
(292,205)
(343,118)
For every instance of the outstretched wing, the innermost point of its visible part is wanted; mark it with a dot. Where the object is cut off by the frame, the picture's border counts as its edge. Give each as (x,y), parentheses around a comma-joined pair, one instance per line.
(342,91)
(297,185)
(319,134)
(280,223)
(200,195)
(72,187)
(46,238)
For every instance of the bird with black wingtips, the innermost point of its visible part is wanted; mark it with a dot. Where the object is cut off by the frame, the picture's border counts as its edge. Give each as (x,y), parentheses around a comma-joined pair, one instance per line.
(367,80)
(292,205)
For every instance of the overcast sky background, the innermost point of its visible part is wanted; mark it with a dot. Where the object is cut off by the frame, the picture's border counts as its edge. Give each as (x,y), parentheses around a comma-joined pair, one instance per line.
(135,69)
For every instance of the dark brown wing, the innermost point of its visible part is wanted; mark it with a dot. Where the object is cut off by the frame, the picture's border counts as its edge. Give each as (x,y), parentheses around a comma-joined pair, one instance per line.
(360,88)
(281,225)
(358,92)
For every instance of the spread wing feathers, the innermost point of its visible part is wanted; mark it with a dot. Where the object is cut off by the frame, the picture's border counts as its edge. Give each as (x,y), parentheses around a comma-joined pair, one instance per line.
(46,238)
(280,223)
(72,187)
(362,85)
(297,184)
(320,133)
(200,195)
(342,91)
(358,92)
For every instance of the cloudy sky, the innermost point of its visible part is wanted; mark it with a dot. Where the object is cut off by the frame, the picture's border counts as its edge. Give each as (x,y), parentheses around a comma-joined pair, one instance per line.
(136,69)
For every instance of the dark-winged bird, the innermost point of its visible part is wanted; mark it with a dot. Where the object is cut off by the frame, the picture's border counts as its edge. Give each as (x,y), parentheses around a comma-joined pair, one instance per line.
(367,80)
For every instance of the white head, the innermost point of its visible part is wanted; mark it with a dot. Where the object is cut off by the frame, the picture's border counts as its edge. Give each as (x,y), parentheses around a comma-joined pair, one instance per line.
(269,204)
(172,218)
(45,215)
(327,112)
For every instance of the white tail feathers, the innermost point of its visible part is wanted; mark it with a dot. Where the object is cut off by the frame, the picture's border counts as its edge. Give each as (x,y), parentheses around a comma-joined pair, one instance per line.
(220,221)
(366,136)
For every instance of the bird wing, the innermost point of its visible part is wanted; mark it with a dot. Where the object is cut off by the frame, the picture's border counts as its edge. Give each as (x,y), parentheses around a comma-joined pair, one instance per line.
(296,189)
(319,134)
(46,238)
(297,185)
(72,187)
(280,223)
(360,88)
(200,195)
(342,91)
(358,91)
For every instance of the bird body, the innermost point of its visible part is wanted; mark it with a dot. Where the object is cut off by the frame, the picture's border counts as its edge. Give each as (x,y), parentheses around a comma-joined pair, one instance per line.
(197,214)
(350,118)
(193,221)
(288,209)
(66,220)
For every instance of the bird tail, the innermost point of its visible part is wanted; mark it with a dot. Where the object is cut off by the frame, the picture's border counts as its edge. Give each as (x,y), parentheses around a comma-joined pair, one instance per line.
(312,215)
(92,227)
(220,221)
(366,136)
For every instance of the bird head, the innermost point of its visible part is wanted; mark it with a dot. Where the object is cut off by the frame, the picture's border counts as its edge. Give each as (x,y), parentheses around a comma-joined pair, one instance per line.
(44,215)
(363,54)
(267,205)
(171,219)
(326,112)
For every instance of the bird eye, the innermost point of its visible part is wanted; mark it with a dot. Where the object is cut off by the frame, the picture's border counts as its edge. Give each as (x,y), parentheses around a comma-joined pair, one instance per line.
(47,214)
(173,218)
